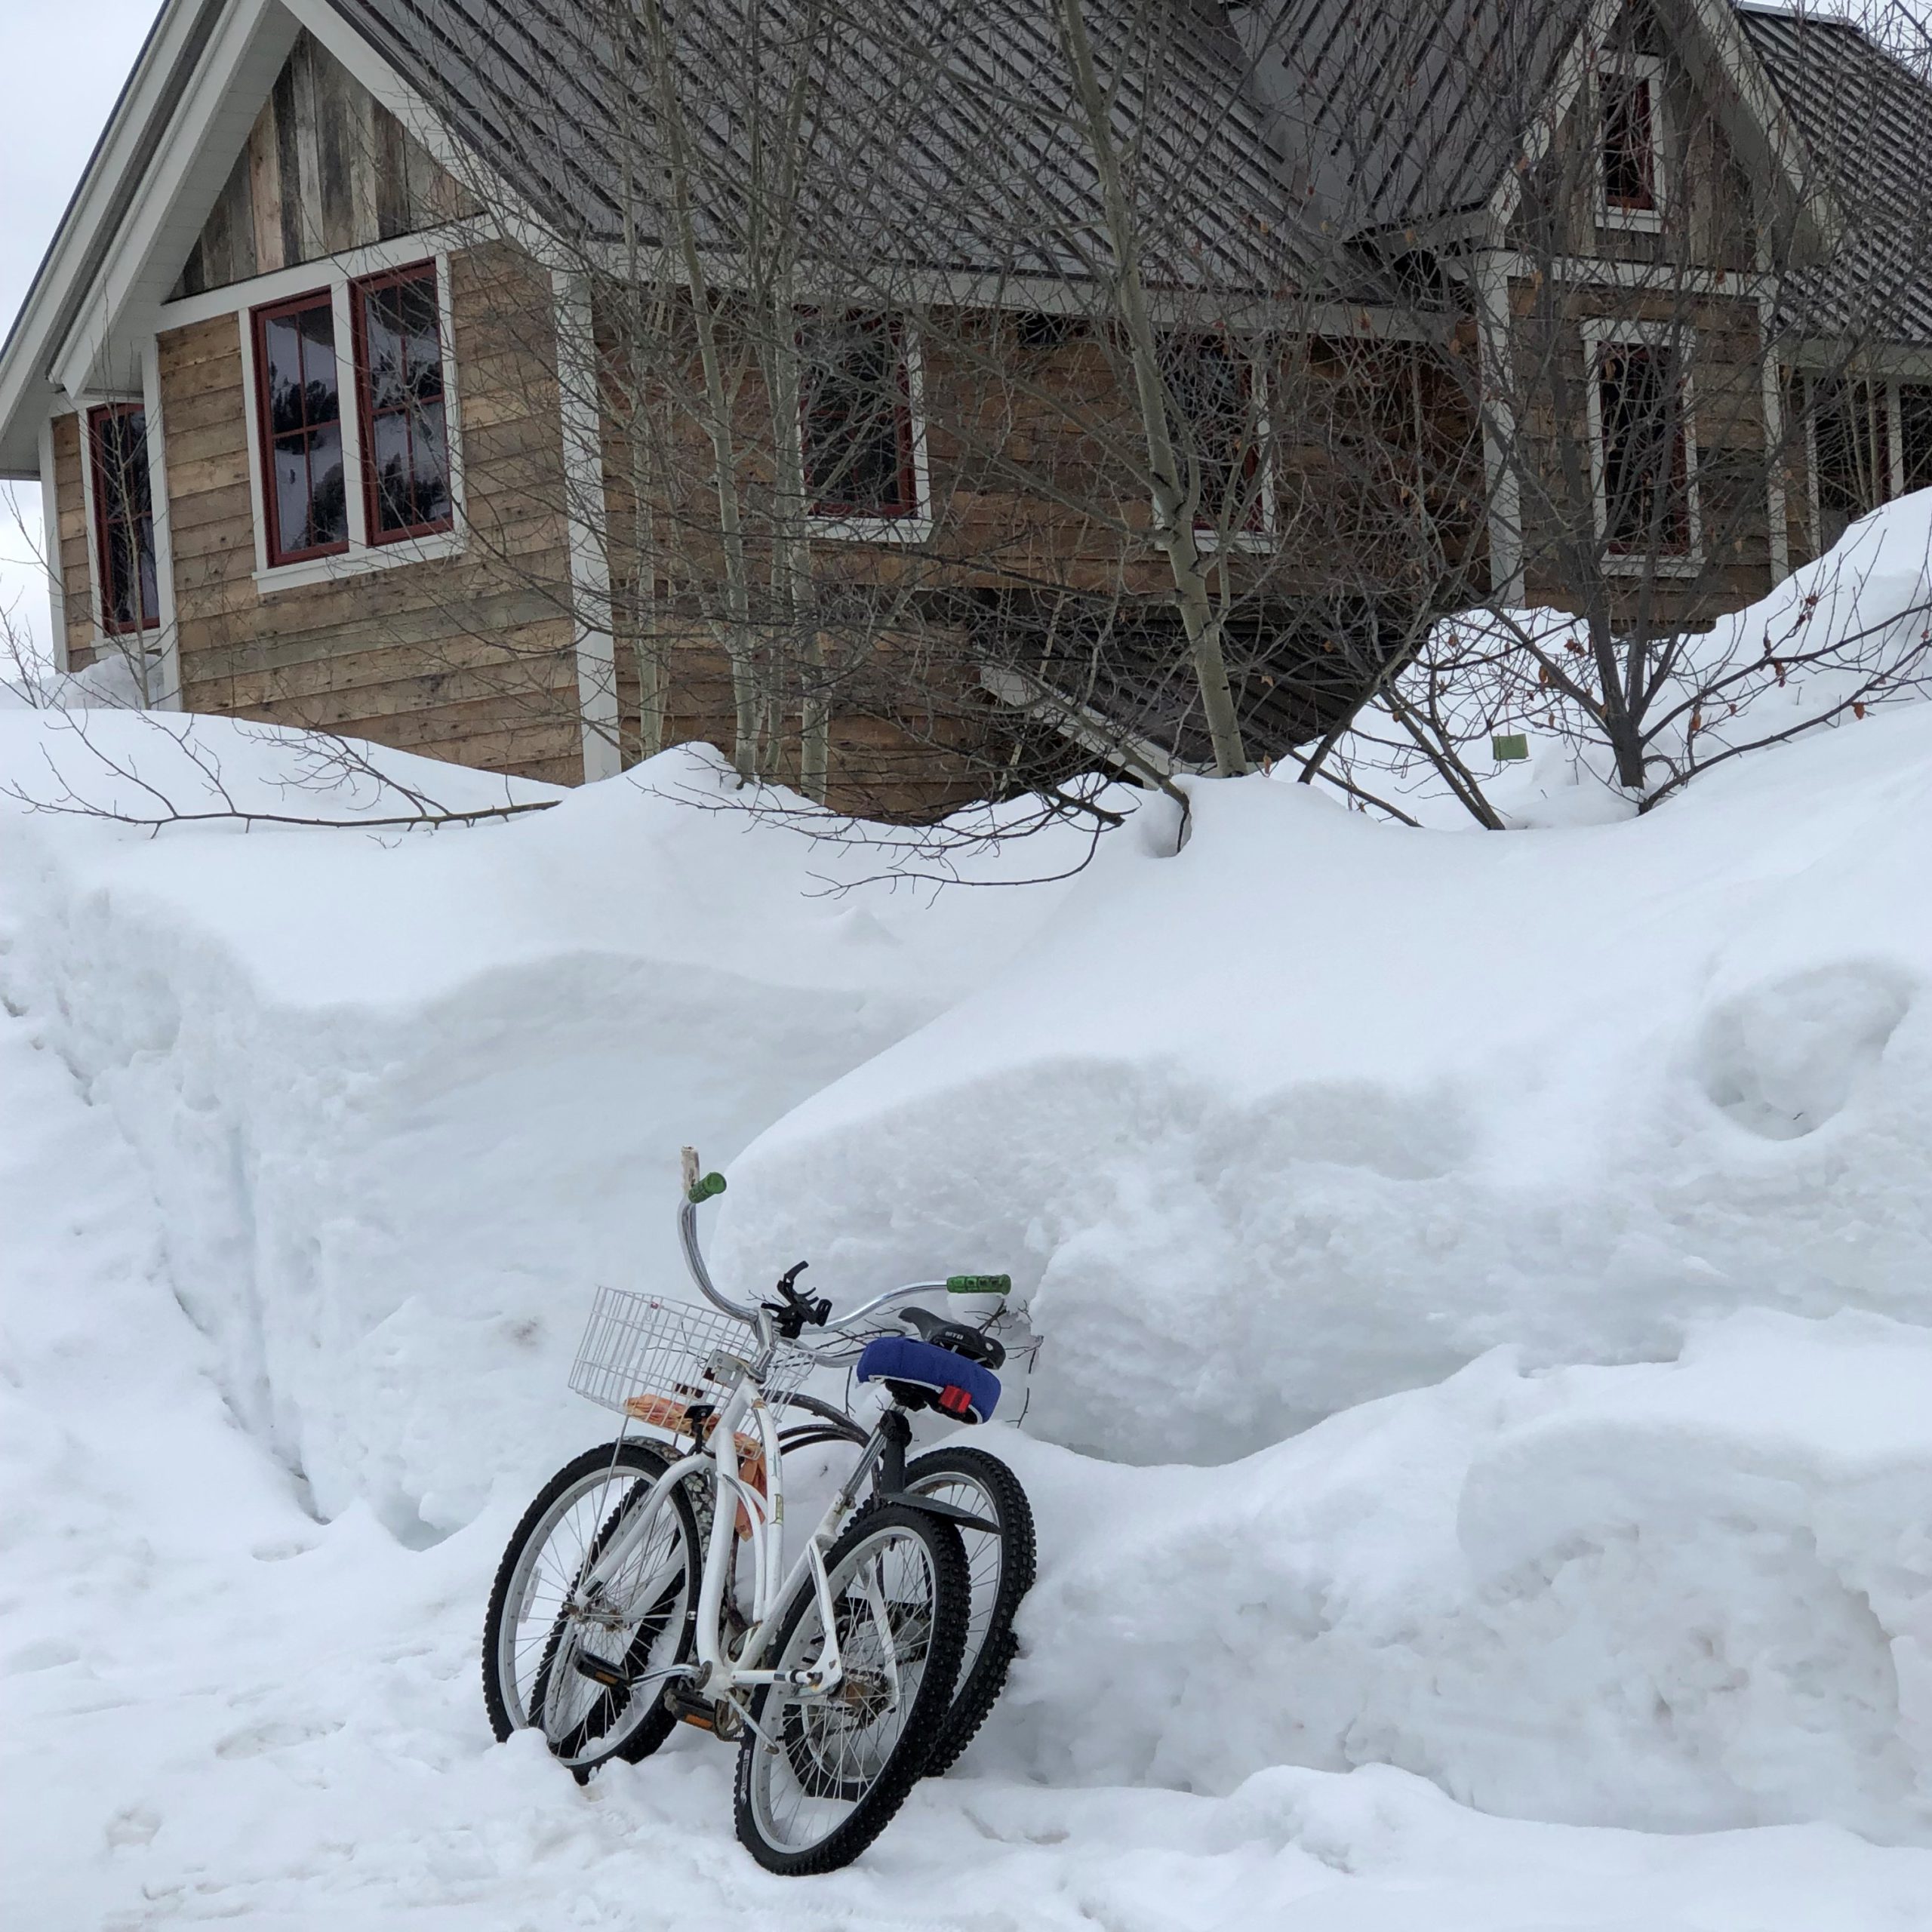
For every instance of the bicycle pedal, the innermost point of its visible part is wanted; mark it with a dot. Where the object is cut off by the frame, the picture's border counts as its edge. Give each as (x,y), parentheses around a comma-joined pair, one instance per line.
(599,1670)
(698,1712)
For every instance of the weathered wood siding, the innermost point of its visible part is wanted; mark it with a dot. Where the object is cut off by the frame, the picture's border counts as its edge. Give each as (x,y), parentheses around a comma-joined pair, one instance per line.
(76,565)
(327,168)
(468,657)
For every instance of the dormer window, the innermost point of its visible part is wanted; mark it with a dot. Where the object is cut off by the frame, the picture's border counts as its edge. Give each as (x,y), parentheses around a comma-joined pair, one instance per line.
(1631,142)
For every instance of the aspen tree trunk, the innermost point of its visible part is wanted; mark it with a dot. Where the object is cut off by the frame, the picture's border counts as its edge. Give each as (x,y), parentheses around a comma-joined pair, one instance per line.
(1173,505)
(737,627)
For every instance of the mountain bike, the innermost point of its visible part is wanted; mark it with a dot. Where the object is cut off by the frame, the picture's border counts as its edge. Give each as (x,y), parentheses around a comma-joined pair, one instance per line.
(647,1583)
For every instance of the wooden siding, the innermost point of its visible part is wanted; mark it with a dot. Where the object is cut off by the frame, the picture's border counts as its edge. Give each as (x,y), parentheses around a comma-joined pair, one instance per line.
(468,658)
(327,168)
(76,539)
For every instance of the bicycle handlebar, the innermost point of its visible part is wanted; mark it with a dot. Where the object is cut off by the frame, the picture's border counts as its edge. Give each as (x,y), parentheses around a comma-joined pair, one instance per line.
(699,1187)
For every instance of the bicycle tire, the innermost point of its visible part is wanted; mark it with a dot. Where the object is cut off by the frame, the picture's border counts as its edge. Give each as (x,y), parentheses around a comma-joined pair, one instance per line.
(577,1480)
(777,1721)
(990,1645)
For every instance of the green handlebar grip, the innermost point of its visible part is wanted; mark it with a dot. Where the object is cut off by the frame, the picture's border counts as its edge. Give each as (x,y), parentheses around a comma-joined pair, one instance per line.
(702,1191)
(979,1284)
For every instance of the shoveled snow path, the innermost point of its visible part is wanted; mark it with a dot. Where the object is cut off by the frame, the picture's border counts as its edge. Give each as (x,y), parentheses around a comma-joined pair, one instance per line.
(213,1706)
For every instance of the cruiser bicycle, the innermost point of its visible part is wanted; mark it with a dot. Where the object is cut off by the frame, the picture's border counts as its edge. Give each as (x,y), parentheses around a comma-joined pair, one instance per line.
(646,1584)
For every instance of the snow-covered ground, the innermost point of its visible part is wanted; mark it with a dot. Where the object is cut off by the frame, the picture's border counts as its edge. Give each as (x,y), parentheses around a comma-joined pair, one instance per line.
(1573,1180)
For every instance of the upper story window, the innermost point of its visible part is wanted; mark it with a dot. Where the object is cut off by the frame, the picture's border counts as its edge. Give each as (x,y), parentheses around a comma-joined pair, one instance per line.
(405,434)
(1647,500)
(124,518)
(353,418)
(856,417)
(1214,390)
(301,410)
(1631,141)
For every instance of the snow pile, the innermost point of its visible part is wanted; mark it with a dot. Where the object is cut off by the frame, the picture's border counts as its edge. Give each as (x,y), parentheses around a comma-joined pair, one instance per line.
(1323,1109)
(1676,1596)
(408,1101)
(1294,1128)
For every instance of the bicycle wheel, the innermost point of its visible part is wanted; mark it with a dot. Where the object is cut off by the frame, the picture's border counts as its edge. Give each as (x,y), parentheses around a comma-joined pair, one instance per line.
(820,1777)
(1000,1566)
(579,1653)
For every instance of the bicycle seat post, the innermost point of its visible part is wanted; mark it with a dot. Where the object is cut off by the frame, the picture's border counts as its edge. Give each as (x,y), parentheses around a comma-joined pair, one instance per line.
(895,1432)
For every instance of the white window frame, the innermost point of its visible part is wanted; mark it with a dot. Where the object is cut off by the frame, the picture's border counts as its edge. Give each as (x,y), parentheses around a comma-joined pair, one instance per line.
(1603,334)
(915,525)
(1649,68)
(1208,537)
(338,274)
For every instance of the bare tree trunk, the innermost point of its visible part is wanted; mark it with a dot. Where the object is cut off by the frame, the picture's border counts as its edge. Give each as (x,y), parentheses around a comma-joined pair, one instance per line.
(1174,507)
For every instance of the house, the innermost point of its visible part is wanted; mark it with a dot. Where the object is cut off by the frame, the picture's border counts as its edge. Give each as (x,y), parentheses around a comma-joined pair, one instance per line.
(397,368)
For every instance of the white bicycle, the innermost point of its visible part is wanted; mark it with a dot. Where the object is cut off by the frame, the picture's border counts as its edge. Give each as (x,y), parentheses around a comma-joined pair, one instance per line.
(647,1583)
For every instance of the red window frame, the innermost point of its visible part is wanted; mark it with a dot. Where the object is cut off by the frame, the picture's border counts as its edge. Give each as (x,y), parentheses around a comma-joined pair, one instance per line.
(1637,151)
(111,508)
(833,509)
(258,321)
(367,412)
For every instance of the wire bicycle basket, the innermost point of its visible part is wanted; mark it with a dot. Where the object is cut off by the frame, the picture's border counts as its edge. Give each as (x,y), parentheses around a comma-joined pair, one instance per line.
(637,1346)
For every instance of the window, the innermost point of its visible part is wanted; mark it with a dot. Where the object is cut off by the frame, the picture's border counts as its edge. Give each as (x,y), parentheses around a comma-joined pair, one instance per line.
(1211,386)
(856,418)
(355,426)
(301,398)
(1644,448)
(399,377)
(124,518)
(1851,446)
(1630,128)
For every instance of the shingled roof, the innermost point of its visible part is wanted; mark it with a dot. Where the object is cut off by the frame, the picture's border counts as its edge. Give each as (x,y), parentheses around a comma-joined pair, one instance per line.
(1867,120)
(942,135)
(1397,112)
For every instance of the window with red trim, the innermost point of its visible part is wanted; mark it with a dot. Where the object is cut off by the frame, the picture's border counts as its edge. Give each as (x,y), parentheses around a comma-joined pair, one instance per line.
(856,417)
(1629,140)
(1646,449)
(123,518)
(300,405)
(405,430)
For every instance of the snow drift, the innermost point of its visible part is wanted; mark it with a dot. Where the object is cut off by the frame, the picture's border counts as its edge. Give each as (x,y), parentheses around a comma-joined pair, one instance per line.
(1682,1596)
(1568,1192)
(1322,1108)
(408,1100)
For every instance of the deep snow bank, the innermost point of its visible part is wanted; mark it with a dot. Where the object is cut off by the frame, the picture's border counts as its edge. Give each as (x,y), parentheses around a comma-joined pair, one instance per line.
(406,1100)
(1322,1108)
(1681,1596)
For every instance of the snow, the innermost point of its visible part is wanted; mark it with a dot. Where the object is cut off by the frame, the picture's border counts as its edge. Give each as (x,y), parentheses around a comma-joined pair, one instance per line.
(1480,1438)
(1322,1108)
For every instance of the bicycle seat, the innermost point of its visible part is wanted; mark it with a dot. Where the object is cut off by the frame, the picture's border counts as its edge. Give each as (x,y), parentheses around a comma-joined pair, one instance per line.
(924,1376)
(944,1333)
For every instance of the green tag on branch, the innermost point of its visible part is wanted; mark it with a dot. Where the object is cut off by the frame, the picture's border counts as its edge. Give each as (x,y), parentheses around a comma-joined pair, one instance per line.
(1507,746)
(979,1284)
(703,1190)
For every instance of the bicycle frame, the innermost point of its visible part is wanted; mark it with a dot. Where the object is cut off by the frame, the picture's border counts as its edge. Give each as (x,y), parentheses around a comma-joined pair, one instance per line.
(716,1673)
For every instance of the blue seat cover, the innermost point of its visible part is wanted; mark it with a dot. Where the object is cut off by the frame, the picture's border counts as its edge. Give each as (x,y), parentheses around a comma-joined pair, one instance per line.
(905,1358)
